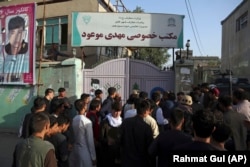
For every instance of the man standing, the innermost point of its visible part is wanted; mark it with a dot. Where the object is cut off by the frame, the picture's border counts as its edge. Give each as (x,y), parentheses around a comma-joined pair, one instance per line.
(92,114)
(214,94)
(49,95)
(167,140)
(60,142)
(83,152)
(53,52)
(107,103)
(61,97)
(157,113)
(98,94)
(110,137)
(186,106)
(204,125)
(136,136)
(38,106)
(34,151)
(242,106)
(151,121)
(235,121)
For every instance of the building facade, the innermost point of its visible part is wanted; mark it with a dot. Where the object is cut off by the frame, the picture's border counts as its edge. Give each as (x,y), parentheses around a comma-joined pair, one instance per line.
(56,18)
(236,41)
(206,69)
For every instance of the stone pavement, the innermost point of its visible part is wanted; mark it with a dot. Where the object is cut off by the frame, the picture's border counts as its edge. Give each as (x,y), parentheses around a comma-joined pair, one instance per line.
(8,140)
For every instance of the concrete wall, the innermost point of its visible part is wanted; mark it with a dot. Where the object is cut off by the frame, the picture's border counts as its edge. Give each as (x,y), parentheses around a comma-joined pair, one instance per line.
(184,76)
(67,74)
(16,101)
(236,44)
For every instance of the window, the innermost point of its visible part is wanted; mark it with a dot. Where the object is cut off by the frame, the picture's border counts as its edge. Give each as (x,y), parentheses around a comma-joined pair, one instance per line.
(241,22)
(55,31)
(111,51)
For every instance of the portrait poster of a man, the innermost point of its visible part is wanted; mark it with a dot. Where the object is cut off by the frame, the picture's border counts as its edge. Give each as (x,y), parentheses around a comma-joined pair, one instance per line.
(17,46)
(16,29)
(16,59)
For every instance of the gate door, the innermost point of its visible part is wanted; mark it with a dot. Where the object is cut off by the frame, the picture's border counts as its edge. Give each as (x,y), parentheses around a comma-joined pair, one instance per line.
(126,75)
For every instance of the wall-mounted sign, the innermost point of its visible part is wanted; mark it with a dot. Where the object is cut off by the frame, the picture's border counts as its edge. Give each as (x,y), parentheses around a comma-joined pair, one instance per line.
(127,29)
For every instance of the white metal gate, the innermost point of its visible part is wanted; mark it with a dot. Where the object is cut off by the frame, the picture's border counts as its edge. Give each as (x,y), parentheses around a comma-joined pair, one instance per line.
(125,75)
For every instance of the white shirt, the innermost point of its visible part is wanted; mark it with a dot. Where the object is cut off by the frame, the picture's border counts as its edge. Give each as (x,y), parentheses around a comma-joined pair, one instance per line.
(243,108)
(130,113)
(153,124)
(83,149)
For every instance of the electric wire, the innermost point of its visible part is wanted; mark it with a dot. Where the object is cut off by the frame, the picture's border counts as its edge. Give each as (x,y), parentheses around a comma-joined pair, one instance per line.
(193,27)
(196,29)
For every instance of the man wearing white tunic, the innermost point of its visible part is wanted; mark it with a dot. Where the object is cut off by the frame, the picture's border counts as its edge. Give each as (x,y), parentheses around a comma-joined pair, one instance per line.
(83,153)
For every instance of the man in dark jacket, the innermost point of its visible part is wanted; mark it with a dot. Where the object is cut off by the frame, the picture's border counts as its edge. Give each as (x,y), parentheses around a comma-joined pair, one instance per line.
(49,95)
(107,103)
(136,136)
(203,125)
(167,140)
(38,106)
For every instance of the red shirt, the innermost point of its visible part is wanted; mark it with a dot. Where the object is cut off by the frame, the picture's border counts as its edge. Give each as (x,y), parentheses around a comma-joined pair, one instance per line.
(95,123)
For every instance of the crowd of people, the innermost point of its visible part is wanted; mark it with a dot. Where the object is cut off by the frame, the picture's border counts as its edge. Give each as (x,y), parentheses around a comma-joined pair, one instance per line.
(140,133)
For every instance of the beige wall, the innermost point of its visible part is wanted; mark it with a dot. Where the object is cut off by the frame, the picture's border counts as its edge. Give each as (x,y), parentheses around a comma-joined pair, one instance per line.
(66,9)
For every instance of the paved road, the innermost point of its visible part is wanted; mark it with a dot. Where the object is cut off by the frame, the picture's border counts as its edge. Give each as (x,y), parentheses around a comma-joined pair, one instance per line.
(8,140)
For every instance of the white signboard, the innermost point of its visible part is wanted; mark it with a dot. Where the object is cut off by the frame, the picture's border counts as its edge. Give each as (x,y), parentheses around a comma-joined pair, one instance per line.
(127,29)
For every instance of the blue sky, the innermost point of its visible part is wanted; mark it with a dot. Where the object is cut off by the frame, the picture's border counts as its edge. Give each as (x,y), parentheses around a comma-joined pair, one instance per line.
(207,14)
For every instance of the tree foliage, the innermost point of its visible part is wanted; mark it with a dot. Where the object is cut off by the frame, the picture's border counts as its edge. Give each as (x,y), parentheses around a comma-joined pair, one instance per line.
(156,56)
(138,9)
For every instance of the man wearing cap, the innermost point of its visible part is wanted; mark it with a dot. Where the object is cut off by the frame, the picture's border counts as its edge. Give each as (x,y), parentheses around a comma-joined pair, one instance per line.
(214,94)
(186,106)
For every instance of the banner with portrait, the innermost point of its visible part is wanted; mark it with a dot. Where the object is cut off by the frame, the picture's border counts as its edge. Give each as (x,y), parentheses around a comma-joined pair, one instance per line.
(17,44)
